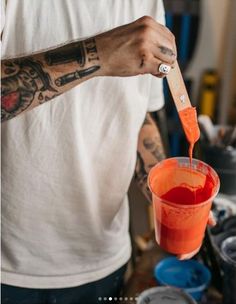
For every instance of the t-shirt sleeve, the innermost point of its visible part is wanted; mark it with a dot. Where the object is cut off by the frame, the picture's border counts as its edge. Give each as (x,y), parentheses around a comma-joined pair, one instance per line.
(156,97)
(3,13)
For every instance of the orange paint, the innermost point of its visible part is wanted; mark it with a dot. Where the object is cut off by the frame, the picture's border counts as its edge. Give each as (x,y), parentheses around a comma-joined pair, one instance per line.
(185,240)
(188,118)
(182,197)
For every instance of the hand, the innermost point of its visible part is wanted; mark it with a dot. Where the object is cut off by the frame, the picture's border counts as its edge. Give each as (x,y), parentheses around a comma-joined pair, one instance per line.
(211,222)
(136,48)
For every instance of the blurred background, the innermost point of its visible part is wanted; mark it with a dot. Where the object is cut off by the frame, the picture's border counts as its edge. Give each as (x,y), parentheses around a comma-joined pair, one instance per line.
(205,32)
(206,40)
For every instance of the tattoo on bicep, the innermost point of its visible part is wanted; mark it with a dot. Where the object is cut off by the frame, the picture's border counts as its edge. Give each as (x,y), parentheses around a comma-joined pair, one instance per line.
(155,147)
(19,89)
(65,79)
(166,51)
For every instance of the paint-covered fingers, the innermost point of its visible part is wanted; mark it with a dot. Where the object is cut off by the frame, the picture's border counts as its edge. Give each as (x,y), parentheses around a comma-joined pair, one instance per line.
(141,47)
(211,219)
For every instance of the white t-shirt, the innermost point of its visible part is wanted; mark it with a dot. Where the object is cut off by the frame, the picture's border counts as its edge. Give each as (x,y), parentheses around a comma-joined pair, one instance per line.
(67,164)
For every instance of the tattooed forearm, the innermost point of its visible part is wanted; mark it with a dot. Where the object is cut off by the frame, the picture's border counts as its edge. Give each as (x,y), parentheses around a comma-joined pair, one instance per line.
(75,75)
(76,52)
(154,145)
(33,80)
(141,176)
(140,172)
(19,89)
(150,151)
(91,49)
(66,54)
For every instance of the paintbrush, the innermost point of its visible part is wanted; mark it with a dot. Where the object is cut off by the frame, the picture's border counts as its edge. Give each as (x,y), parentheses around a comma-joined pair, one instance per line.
(186,112)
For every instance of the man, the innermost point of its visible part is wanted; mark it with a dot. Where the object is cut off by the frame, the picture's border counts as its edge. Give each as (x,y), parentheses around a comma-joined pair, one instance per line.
(67,164)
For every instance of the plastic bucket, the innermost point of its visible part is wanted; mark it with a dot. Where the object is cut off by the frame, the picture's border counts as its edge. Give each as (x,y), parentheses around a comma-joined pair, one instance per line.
(228,249)
(180,220)
(191,276)
(164,295)
(223,240)
(228,254)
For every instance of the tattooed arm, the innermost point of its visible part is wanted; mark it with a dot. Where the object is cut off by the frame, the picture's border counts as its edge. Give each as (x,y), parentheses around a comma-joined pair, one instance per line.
(33,80)
(136,48)
(150,151)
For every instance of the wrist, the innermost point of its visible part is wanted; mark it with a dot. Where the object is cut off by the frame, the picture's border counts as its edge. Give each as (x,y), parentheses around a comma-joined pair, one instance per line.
(103,51)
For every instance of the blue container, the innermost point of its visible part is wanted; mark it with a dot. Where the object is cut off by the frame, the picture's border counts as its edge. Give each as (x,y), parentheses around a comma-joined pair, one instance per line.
(190,275)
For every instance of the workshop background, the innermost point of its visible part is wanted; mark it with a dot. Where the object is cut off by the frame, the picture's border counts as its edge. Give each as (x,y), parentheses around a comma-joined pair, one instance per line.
(205,33)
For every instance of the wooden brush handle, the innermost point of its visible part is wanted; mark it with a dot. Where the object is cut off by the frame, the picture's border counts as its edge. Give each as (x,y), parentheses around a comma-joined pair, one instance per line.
(178,89)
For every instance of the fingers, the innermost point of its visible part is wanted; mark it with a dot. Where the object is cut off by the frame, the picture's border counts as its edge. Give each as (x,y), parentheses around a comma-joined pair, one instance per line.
(163,35)
(211,219)
(162,49)
(164,68)
(163,40)
(155,67)
(188,255)
(137,48)
(160,73)
(164,54)
(158,68)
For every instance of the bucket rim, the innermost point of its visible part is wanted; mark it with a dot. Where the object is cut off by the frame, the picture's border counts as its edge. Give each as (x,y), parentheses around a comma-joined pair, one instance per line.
(184,206)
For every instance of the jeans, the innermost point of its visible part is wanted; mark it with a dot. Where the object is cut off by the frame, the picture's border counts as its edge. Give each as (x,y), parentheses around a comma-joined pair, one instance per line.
(97,292)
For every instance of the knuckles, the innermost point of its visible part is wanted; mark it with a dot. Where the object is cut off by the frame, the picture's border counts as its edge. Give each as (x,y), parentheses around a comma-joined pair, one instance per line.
(146,26)
(143,50)
(171,36)
(145,20)
(144,32)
